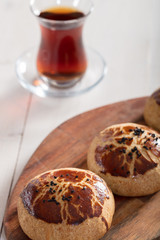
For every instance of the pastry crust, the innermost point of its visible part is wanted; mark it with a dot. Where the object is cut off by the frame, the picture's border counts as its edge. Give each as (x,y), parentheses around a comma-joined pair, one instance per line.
(127,157)
(68,203)
(152,110)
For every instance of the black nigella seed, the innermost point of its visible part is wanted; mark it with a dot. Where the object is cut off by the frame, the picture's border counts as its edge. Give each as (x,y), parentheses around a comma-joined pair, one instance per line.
(78,197)
(76,176)
(145,147)
(47,185)
(88,180)
(138,131)
(37,191)
(111,146)
(135,169)
(138,154)
(67,174)
(122,167)
(128,172)
(130,155)
(70,197)
(130,130)
(55,177)
(153,135)
(156,144)
(51,183)
(55,184)
(84,188)
(72,191)
(57,203)
(60,190)
(54,191)
(61,176)
(134,149)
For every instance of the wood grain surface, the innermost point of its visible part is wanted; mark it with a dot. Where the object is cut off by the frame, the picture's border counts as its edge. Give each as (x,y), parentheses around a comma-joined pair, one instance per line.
(66,146)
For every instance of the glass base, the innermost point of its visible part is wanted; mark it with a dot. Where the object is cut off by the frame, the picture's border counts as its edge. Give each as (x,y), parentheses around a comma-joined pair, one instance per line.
(29,78)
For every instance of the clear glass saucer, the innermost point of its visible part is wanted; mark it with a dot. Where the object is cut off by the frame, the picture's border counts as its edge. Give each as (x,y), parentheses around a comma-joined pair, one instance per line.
(29,78)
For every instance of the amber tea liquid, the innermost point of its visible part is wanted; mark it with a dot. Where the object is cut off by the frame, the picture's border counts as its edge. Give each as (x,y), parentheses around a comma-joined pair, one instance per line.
(61,55)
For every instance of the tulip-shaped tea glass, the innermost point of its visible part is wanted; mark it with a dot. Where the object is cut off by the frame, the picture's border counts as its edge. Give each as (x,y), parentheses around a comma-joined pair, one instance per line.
(61,61)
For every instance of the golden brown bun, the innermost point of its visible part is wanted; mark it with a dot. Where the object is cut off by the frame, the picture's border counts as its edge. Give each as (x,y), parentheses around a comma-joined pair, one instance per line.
(127,157)
(152,110)
(66,204)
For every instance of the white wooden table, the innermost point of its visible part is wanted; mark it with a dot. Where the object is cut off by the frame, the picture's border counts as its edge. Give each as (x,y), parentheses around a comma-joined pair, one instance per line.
(125,32)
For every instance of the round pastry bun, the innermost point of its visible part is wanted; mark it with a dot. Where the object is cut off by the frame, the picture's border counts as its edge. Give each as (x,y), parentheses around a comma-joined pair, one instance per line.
(127,157)
(152,110)
(67,203)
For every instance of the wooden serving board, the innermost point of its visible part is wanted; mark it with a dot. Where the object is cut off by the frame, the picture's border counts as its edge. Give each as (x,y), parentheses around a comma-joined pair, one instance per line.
(66,146)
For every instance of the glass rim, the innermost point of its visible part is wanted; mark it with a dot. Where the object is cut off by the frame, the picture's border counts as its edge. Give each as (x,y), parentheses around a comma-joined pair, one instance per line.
(61,22)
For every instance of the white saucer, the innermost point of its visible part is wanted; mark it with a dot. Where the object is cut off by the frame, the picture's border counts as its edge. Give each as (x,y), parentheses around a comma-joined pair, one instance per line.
(29,79)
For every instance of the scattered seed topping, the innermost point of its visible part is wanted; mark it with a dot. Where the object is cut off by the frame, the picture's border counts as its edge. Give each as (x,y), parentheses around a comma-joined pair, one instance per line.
(76,176)
(37,191)
(55,177)
(122,150)
(123,139)
(134,149)
(130,155)
(65,198)
(145,147)
(47,185)
(51,183)
(111,146)
(60,190)
(138,154)
(138,131)
(130,139)
(87,180)
(148,139)
(53,200)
